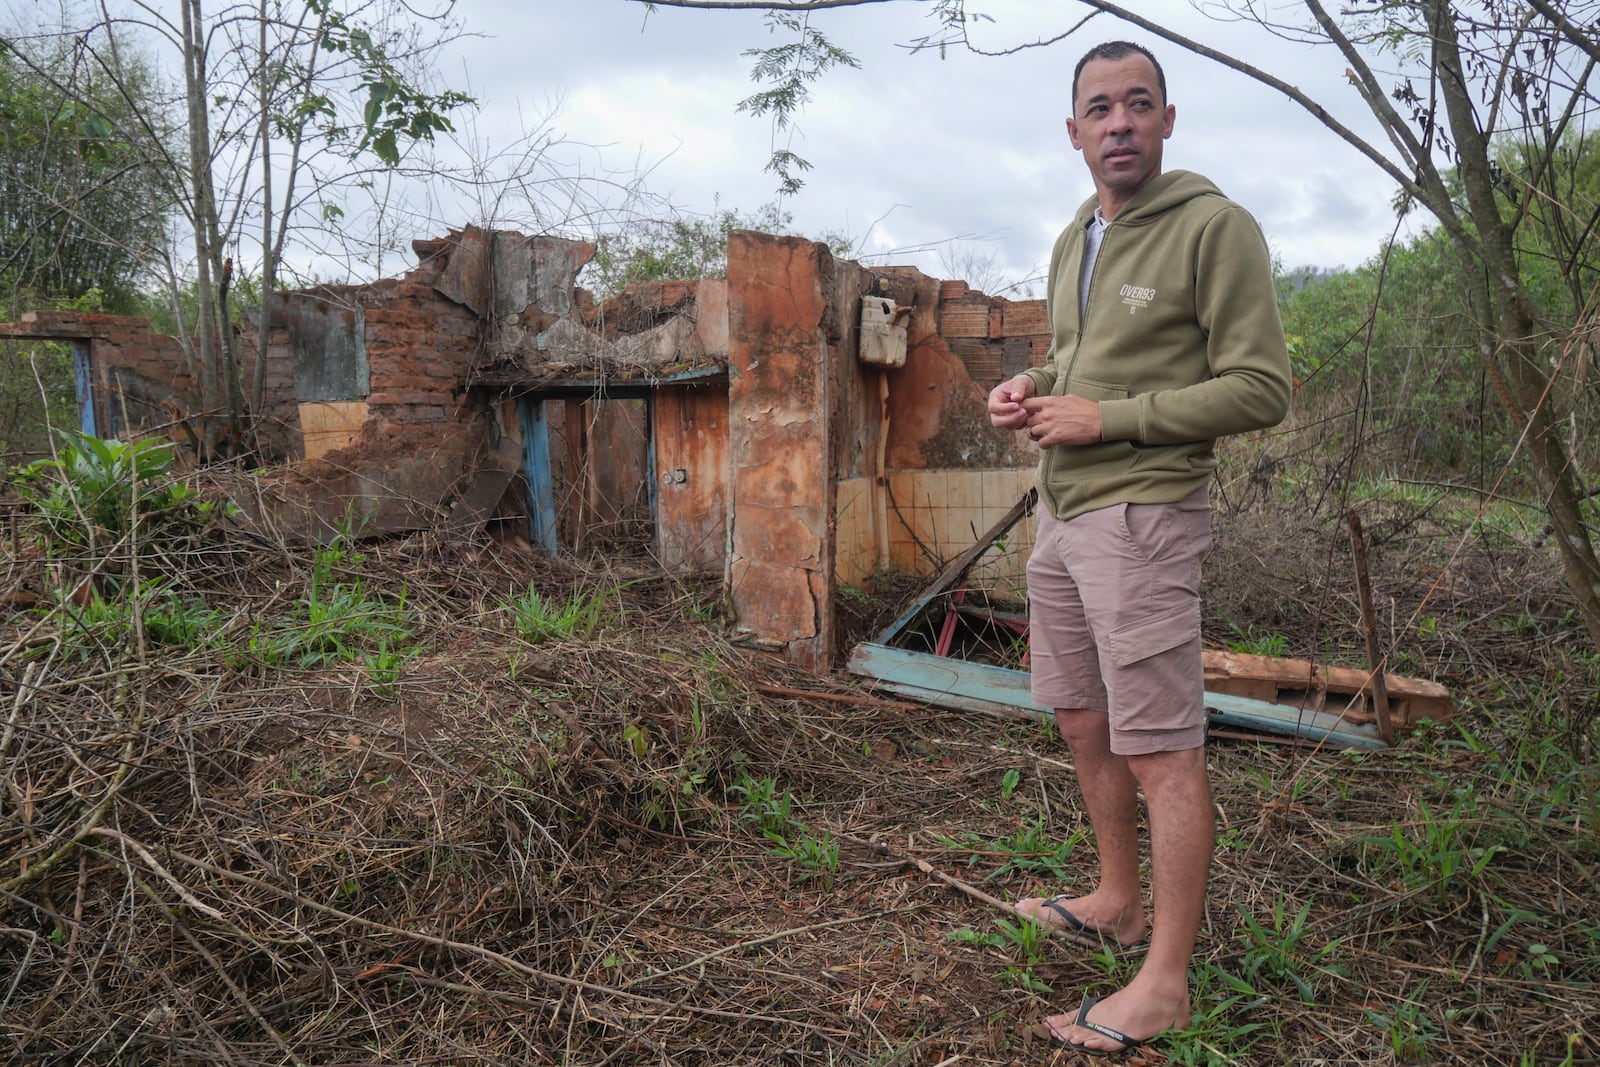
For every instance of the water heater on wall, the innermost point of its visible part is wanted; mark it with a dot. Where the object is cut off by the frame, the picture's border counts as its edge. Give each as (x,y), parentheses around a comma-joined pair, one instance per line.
(883,331)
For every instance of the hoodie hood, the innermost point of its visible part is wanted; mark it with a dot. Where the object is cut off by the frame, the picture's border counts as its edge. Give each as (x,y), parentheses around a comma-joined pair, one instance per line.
(1163,193)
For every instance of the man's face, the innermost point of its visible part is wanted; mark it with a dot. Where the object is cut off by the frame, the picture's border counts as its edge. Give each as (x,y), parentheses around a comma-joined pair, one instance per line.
(1119,125)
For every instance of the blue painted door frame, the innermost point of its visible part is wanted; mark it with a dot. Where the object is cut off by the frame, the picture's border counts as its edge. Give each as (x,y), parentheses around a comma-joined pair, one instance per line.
(540,475)
(537,471)
(84,373)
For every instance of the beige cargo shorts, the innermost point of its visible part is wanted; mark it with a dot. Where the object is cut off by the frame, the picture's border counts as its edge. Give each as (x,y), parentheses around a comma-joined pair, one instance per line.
(1114,620)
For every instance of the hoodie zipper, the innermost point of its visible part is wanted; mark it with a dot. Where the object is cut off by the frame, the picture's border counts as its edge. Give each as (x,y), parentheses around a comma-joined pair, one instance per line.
(1077,344)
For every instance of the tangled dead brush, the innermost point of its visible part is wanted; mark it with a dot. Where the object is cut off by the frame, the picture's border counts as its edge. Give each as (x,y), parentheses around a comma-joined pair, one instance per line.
(377,803)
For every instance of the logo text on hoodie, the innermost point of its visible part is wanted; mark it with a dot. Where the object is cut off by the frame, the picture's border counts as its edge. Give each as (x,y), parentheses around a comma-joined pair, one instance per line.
(1136,297)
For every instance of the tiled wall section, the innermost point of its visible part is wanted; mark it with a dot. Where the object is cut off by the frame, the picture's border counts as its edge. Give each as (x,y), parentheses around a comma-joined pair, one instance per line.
(938,514)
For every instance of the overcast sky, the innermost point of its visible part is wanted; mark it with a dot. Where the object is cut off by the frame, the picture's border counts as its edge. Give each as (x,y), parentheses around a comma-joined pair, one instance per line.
(911,150)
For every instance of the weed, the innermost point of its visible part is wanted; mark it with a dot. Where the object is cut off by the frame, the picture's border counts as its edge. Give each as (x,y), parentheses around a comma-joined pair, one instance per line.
(94,493)
(182,623)
(1247,640)
(1280,955)
(1428,856)
(338,625)
(1026,936)
(1024,978)
(637,738)
(1222,1025)
(1409,1028)
(1540,963)
(383,665)
(1022,941)
(165,618)
(1031,850)
(762,806)
(816,853)
(541,618)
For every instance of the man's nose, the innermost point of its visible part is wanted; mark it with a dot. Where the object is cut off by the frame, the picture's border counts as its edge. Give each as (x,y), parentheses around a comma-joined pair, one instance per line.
(1120,121)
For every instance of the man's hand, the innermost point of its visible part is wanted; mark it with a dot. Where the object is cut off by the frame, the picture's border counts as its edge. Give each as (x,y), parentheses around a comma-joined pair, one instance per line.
(1005,403)
(1059,420)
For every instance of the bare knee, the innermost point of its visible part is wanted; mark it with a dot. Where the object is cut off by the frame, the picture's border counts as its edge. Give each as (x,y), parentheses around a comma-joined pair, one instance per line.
(1182,772)
(1084,731)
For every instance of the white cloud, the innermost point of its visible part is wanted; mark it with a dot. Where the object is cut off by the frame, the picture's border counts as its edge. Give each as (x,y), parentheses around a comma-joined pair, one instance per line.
(917,149)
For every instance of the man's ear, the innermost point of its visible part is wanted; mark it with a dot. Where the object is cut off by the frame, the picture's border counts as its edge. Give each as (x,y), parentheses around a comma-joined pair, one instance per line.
(1072,132)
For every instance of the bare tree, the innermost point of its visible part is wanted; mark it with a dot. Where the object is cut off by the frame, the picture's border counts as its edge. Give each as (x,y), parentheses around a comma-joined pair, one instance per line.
(286,106)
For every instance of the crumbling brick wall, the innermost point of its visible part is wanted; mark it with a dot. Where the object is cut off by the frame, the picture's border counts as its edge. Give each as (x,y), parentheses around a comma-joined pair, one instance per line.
(140,379)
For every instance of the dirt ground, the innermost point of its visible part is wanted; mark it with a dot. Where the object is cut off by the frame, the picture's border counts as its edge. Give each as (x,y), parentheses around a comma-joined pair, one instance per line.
(650,846)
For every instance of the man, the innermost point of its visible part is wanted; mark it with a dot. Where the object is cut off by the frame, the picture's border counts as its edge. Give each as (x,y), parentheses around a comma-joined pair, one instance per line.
(1165,336)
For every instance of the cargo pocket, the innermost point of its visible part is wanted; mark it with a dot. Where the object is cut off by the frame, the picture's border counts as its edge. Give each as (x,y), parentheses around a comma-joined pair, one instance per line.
(1150,637)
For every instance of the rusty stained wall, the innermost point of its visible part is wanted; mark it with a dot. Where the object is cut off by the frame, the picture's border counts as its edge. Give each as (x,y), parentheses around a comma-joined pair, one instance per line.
(780,558)
(941,476)
(794,391)
(839,468)
(428,447)
(805,471)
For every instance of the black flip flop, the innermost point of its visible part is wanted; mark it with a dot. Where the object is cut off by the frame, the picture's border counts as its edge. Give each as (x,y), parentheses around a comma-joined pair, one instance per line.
(1129,1044)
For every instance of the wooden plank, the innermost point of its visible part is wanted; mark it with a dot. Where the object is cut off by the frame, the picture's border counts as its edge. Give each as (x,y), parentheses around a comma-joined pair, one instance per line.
(326,425)
(1300,682)
(1303,674)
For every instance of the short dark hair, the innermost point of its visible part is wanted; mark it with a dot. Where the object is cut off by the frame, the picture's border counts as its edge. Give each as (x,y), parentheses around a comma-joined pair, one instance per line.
(1118,50)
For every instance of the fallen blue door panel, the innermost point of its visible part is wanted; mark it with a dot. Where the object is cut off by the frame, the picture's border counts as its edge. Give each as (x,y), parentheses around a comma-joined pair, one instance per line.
(957,683)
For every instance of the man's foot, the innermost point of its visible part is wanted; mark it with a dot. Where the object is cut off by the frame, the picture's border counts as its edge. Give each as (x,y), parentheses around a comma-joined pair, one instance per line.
(1120,1024)
(1084,915)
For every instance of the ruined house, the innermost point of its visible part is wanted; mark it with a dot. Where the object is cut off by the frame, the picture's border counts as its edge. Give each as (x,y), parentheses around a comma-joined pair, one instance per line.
(794,428)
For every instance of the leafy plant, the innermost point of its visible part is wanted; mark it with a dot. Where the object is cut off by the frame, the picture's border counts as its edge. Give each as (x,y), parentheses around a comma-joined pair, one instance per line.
(1022,941)
(1247,640)
(1225,1022)
(1430,855)
(762,805)
(384,664)
(95,493)
(337,625)
(1032,850)
(1408,1027)
(160,614)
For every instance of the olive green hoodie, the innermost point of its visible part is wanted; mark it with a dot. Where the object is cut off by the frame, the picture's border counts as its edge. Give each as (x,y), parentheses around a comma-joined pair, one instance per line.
(1180,343)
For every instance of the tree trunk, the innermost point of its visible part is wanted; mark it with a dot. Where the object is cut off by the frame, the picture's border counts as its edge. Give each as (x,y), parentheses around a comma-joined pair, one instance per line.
(1511,338)
(206,334)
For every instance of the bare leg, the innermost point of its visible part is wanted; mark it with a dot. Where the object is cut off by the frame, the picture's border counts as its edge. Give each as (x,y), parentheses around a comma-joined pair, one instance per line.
(1114,907)
(1182,834)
